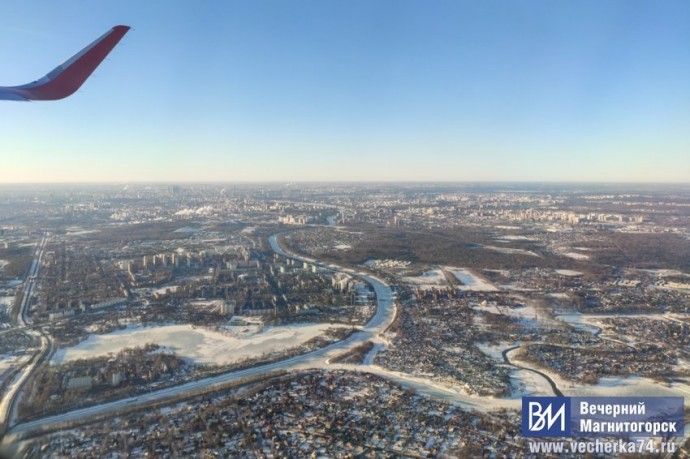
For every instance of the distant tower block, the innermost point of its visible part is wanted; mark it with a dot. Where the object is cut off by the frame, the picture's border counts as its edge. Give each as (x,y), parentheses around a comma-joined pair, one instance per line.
(227,307)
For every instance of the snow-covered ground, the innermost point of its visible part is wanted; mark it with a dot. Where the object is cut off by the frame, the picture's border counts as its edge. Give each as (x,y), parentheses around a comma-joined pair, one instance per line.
(81,232)
(581,322)
(576,256)
(593,322)
(195,343)
(527,383)
(471,281)
(516,237)
(527,315)
(631,386)
(187,229)
(665,272)
(568,272)
(510,251)
(439,391)
(558,295)
(516,287)
(6,302)
(433,278)
(8,362)
(495,351)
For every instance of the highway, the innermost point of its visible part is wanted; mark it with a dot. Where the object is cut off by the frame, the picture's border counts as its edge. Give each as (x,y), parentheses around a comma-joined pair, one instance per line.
(8,405)
(23,320)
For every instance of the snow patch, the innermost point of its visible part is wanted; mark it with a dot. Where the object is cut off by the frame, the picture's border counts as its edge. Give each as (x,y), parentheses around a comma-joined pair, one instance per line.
(576,256)
(510,251)
(198,344)
(433,278)
(568,272)
(471,281)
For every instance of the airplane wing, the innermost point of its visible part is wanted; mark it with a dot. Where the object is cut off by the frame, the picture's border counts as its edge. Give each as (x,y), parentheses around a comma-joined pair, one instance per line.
(65,79)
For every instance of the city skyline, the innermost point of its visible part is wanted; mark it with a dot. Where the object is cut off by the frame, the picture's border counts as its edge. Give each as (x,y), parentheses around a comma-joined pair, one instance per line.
(357,92)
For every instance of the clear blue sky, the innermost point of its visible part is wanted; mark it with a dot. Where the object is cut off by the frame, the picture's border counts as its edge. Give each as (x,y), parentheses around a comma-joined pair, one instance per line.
(550,90)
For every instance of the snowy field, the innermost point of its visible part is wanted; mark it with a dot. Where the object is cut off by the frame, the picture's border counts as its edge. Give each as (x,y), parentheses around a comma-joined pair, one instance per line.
(527,315)
(581,322)
(434,278)
(568,272)
(515,237)
(664,272)
(516,287)
(471,281)
(558,295)
(495,351)
(525,383)
(631,386)
(510,251)
(576,256)
(195,343)
(81,232)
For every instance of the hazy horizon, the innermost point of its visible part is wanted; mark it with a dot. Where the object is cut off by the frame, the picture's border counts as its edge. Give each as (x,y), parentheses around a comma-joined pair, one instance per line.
(287,183)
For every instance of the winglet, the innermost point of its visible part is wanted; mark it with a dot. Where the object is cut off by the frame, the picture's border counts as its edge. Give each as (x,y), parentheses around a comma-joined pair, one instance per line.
(65,79)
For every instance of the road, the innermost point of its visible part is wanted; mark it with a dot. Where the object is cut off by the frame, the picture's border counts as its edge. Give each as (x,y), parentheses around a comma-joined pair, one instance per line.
(23,320)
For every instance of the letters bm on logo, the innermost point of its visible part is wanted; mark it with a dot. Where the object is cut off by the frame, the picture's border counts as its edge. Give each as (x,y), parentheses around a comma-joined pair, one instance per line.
(545,417)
